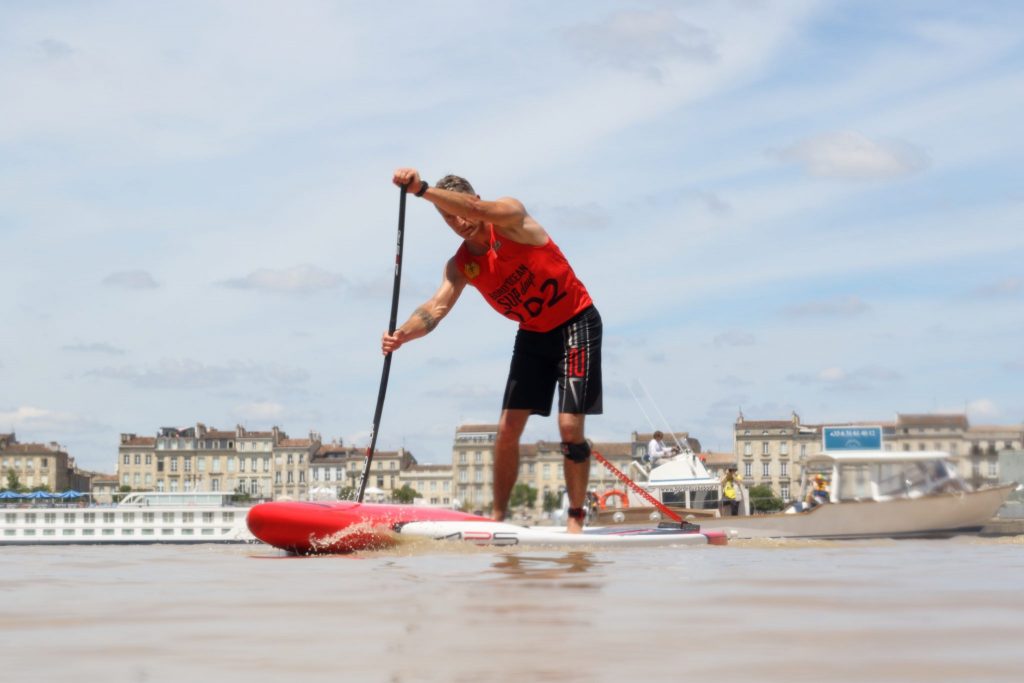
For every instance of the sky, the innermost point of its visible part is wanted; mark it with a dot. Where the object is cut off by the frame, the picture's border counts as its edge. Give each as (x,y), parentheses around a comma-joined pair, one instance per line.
(776,206)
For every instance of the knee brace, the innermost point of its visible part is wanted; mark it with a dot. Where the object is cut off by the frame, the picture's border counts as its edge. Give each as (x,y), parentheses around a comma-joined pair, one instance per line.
(577,452)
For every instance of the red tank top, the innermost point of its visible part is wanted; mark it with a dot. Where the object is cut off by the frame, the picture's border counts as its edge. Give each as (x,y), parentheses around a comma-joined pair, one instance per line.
(535,286)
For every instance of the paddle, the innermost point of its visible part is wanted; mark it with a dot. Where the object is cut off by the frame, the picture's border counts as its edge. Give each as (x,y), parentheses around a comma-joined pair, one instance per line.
(387,359)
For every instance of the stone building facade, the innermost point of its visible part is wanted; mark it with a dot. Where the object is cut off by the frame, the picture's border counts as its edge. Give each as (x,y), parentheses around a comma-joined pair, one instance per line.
(37,465)
(769,451)
(263,465)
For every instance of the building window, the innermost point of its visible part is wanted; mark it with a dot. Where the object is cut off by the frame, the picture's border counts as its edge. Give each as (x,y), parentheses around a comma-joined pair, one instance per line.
(746,469)
(784,470)
(747,448)
(766,469)
(138,459)
(784,490)
(993,468)
(127,459)
(764,448)
(462,458)
(784,448)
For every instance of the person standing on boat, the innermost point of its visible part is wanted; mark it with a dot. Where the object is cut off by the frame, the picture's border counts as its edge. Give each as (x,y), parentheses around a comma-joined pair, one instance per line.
(730,483)
(656,449)
(510,259)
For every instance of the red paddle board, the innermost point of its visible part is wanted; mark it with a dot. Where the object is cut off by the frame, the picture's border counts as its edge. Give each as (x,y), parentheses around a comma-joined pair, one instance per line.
(308,528)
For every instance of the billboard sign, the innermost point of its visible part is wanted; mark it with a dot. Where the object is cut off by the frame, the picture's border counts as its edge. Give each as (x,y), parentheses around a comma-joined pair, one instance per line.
(852,438)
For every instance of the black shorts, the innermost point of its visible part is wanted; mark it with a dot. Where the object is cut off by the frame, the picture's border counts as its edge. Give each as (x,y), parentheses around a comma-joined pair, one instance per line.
(569,356)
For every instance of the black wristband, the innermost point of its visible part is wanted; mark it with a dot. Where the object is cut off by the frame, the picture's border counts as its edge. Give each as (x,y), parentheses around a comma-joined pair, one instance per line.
(423,188)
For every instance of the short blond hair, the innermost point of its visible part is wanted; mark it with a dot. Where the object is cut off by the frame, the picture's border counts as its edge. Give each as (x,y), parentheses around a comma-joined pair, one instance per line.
(455,183)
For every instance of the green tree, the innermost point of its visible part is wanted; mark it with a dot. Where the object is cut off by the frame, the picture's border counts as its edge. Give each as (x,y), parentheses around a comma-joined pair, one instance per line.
(13,483)
(406,494)
(121,492)
(523,495)
(763,499)
(240,495)
(552,500)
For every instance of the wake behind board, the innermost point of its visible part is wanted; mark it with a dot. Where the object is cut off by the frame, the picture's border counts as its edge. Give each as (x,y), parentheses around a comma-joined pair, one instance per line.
(343,527)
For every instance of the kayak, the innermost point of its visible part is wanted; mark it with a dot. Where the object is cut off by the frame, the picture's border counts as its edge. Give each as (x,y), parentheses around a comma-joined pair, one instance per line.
(343,527)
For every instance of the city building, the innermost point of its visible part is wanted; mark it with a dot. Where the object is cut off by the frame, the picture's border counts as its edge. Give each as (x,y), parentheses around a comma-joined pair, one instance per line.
(37,465)
(432,482)
(769,451)
(262,465)
(334,470)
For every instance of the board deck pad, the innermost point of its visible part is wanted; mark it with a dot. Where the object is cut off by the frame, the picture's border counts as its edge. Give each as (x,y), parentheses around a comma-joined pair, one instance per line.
(343,527)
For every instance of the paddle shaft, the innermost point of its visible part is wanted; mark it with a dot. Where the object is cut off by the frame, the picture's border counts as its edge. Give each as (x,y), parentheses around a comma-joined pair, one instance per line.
(392,323)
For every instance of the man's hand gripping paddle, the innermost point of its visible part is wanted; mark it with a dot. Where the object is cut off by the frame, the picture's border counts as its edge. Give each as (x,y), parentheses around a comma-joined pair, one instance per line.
(387,359)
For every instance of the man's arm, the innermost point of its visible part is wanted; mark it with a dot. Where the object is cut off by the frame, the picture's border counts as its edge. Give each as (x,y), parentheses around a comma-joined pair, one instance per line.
(507,215)
(426,316)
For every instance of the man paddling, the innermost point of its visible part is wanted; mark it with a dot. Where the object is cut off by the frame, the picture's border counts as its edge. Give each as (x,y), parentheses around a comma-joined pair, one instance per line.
(510,259)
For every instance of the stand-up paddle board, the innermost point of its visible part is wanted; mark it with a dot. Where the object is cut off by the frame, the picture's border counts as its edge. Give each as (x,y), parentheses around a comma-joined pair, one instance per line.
(307,528)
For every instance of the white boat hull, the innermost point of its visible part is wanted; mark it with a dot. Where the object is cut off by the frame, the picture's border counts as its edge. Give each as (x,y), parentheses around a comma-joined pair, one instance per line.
(938,515)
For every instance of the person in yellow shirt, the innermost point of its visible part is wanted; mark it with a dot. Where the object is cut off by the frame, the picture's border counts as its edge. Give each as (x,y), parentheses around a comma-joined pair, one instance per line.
(818,493)
(730,483)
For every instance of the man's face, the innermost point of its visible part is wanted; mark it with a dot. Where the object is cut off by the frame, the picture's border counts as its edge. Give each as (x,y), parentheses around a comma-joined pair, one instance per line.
(463,227)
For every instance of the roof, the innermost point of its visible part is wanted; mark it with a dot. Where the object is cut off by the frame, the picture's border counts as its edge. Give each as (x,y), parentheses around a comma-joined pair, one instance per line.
(462,429)
(996,429)
(765,424)
(718,459)
(958,420)
(428,468)
(219,434)
(614,449)
(140,441)
(295,443)
(31,449)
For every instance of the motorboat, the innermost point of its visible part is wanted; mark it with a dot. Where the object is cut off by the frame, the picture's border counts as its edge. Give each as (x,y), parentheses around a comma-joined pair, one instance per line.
(870,494)
(140,517)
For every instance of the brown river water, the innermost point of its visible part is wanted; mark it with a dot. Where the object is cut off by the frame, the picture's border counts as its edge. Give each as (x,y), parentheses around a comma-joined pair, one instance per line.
(949,610)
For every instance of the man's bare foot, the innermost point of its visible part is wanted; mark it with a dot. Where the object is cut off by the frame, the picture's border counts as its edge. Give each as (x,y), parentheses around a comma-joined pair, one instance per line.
(574,526)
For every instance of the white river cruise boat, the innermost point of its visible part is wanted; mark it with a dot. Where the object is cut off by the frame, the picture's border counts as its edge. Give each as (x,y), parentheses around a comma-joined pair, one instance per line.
(141,517)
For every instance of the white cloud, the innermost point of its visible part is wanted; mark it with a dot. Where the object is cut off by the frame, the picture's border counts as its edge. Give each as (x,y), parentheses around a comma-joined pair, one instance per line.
(734,338)
(296,280)
(641,41)
(983,409)
(131,279)
(40,422)
(839,307)
(1009,287)
(838,379)
(187,373)
(850,155)
(264,411)
(94,347)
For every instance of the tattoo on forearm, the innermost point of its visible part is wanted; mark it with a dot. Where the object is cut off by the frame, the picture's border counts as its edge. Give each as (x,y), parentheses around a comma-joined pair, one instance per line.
(429,321)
